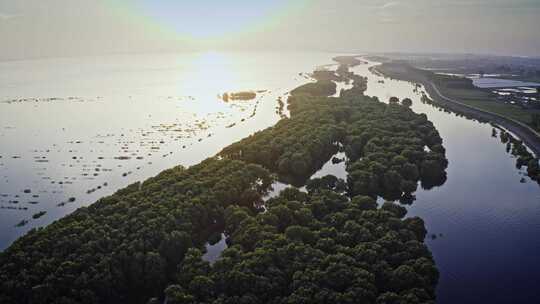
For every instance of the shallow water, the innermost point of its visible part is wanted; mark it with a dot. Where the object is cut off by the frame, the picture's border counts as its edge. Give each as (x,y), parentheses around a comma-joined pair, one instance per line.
(213,251)
(489,221)
(486,221)
(335,169)
(483,222)
(82,128)
(486,83)
(341,85)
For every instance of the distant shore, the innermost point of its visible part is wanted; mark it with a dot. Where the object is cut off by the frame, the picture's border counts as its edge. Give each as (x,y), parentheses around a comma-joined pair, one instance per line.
(398,71)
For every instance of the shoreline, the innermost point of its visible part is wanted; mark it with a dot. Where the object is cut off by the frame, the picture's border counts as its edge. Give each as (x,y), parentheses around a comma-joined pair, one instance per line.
(159,228)
(529,136)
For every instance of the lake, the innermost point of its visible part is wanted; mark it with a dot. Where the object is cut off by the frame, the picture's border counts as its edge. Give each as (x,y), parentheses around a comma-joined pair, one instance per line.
(100,115)
(75,129)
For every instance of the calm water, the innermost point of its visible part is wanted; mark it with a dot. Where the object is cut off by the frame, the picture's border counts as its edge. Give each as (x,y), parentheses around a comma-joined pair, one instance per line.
(489,250)
(486,83)
(483,223)
(125,107)
(80,128)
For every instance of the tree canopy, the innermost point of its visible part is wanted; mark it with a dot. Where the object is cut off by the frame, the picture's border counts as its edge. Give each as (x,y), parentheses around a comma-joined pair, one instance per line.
(332,244)
(314,248)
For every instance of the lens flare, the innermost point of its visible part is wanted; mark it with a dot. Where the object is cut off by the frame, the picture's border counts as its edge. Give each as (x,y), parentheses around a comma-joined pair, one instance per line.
(208,19)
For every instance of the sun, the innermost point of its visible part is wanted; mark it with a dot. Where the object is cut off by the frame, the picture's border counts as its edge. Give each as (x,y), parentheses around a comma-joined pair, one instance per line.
(209,19)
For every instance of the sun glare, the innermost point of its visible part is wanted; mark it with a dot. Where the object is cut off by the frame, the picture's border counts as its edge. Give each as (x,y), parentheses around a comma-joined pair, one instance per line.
(209,19)
(219,65)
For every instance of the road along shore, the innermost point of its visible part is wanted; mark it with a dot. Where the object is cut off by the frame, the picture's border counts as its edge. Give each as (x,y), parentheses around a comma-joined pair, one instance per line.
(404,72)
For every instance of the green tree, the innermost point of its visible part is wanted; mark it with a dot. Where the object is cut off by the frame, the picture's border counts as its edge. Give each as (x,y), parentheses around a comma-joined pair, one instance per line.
(407,102)
(393,100)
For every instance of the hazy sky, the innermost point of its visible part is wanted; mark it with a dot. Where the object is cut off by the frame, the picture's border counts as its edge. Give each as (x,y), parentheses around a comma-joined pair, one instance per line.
(43,28)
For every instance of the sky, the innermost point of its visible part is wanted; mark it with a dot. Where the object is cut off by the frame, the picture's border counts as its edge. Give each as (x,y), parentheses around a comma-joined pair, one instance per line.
(58,28)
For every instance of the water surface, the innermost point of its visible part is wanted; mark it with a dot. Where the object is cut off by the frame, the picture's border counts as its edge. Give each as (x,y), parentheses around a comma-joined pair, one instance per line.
(487,83)
(75,129)
(106,113)
(483,223)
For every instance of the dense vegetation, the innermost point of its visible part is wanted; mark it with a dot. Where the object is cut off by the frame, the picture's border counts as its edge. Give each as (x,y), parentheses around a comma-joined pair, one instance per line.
(536,121)
(523,156)
(125,247)
(324,85)
(390,147)
(297,146)
(319,247)
(331,245)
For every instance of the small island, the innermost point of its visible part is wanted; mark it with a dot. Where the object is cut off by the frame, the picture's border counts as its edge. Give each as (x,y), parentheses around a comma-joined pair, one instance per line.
(246,95)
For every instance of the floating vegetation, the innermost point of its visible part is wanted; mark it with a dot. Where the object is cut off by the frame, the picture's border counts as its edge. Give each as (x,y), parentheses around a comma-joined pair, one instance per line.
(39,214)
(13,208)
(22,223)
(85,157)
(47,99)
(523,156)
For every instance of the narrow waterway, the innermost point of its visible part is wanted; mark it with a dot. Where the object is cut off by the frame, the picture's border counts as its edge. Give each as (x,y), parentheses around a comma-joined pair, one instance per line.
(484,222)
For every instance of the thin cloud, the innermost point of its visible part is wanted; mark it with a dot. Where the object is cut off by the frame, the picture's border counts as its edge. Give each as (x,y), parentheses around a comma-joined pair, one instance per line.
(389,5)
(4,16)
(386,13)
(379,7)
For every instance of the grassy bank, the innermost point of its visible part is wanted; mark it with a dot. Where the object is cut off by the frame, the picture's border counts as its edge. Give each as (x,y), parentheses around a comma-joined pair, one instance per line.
(462,89)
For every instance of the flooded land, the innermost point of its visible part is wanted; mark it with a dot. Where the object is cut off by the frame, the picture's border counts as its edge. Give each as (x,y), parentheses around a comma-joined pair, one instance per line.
(73,130)
(481,215)
(269,152)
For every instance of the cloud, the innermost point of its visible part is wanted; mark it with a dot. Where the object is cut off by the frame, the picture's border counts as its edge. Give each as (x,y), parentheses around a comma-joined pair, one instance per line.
(385,12)
(378,5)
(389,5)
(4,16)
